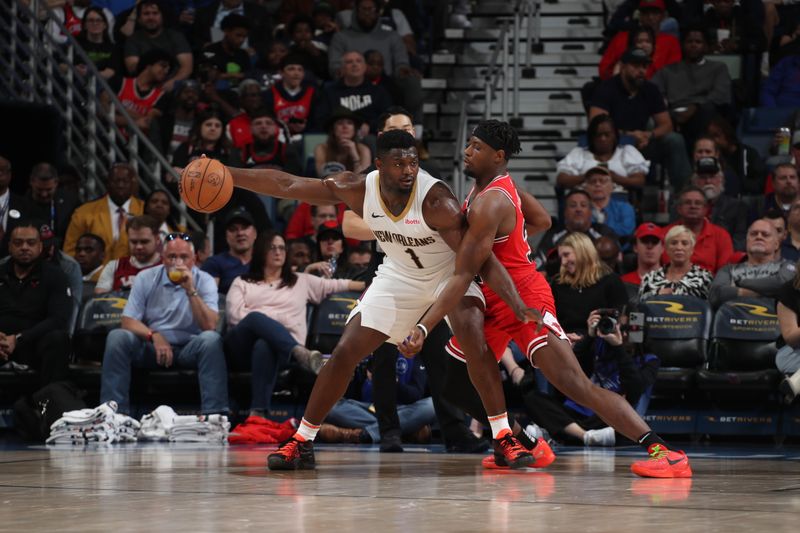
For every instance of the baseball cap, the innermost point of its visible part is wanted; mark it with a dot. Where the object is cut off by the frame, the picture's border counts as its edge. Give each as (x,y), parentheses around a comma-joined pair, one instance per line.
(240,214)
(653,4)
(636,56)
(707,165)
(796,138)
(329,226)
(599,169)
(648,229)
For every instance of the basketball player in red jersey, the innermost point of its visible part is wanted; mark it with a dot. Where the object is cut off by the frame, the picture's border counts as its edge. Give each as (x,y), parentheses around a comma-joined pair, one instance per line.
(496,225)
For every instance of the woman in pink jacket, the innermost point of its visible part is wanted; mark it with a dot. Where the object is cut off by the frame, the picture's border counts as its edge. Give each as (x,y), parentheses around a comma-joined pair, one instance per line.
(266,314)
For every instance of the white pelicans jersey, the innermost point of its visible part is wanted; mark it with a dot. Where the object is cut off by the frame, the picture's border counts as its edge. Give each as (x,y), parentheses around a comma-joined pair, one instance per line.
(412,248)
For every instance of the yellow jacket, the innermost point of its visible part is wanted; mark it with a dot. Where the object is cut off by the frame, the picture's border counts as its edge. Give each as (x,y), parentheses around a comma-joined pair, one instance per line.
(94,217)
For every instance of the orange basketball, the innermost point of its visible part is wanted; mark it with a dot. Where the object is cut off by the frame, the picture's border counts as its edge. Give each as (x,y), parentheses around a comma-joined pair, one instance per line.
(206,185)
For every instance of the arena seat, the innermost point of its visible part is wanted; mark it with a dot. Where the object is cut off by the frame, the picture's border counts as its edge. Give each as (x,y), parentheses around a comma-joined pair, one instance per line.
(758,125)
(677,330)
(328,321)
(742,355)
(100,314)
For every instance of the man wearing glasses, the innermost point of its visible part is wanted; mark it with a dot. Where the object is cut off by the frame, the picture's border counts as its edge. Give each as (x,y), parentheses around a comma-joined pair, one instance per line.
(169,320)
(714,247)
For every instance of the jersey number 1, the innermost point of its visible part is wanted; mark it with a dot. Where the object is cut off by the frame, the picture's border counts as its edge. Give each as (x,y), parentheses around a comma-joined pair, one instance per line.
(414,257)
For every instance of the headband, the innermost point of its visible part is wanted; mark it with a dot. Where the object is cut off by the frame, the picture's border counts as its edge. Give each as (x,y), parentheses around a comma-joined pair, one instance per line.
(486,136)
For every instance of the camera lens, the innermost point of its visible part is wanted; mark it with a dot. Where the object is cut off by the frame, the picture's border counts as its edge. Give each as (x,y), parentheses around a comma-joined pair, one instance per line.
(606,325)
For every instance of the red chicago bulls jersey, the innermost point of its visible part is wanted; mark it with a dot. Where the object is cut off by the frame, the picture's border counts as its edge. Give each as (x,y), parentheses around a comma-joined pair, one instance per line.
(511,250)
(71,20)
(125,272)
(500,323)
(133,101)
(297,108)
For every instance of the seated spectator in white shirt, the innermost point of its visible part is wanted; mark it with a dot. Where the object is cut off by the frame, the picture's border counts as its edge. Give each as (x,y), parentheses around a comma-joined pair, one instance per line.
(627,166)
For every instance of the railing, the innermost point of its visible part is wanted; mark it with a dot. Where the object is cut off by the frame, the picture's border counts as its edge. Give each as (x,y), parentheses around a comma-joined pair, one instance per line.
(506,50)
(506,44)
(37,68)
(459,177)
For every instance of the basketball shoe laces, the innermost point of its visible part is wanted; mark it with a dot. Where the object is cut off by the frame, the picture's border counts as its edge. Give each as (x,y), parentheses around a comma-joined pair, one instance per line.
(511,447)
(290,448)
(658,452)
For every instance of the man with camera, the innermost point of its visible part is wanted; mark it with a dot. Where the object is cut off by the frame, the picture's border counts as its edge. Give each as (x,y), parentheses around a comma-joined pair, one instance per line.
(607,358)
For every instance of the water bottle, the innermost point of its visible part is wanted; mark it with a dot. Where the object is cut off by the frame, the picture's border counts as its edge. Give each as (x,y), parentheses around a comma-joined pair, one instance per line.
(332,262)
(785,142)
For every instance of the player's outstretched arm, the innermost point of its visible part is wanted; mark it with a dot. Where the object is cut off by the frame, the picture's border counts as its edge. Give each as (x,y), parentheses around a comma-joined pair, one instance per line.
(342,187)
(354,227)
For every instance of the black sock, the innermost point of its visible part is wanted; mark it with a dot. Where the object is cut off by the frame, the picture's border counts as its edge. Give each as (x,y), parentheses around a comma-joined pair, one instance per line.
(651,437)
(526,441)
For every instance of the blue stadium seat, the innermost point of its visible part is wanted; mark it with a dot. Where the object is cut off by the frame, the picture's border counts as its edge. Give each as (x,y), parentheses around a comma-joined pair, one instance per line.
(100,314)
(328,322)
(742,357)
(677,330)
(758,124)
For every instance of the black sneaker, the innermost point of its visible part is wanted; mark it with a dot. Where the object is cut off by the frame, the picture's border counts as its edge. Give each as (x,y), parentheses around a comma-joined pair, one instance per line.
(468,443)
(392,442)
(293,455)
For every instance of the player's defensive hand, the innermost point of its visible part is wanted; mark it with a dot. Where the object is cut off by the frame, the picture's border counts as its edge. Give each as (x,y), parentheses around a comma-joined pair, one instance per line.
(529,315)
(413,343)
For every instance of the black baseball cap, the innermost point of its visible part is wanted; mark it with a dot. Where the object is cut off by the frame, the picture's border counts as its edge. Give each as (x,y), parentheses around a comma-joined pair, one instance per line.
(330,227)
(636,56)
(707,165)
(240,214)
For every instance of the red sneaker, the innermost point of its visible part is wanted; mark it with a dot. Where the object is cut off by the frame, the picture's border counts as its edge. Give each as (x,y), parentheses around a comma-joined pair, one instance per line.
(663,463)
(509,453)
(292,455)
(543,457)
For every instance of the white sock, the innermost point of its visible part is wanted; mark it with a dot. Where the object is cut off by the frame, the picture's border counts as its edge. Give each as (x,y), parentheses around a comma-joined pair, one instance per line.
(499,424)
(307,430)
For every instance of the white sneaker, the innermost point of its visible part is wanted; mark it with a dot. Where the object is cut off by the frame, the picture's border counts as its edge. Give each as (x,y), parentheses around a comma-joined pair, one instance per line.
(458,20)
(535,432)
(600,437)
(790,387)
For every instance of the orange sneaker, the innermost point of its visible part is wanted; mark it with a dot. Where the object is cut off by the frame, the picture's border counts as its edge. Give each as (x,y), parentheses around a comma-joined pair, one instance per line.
(292,455)
(543,456)
(663,463)
(510,453)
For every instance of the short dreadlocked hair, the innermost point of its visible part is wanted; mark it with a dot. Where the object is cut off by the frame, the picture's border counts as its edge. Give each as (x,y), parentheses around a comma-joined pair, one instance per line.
(499,135)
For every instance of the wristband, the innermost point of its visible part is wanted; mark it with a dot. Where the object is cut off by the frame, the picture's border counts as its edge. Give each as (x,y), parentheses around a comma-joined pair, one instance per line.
(424,331)
(150,334)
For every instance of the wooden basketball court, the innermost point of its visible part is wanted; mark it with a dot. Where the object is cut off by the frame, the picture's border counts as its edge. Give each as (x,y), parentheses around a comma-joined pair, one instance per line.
(163,487)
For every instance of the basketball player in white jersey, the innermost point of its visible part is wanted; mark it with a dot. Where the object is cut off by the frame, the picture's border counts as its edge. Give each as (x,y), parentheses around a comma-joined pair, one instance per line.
(419,224)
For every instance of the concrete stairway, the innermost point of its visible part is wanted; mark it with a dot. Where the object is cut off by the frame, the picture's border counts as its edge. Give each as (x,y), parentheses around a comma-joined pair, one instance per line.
(550,103)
